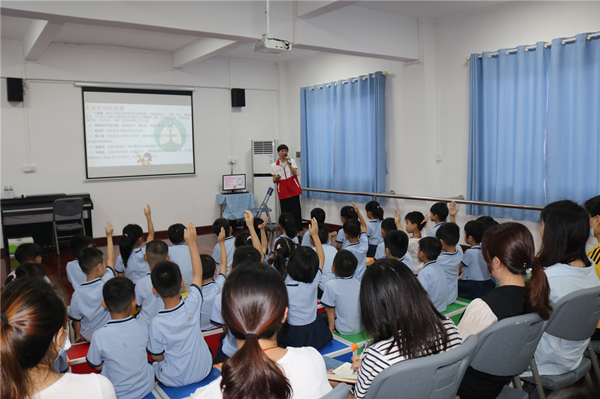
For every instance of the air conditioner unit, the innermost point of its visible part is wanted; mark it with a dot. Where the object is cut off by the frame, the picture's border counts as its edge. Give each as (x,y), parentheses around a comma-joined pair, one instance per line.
(264,153)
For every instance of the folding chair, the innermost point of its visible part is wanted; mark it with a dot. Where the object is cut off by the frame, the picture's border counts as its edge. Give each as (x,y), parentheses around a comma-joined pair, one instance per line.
(506,349)
(263,207)
(430,377)
(574,318)
(67,207)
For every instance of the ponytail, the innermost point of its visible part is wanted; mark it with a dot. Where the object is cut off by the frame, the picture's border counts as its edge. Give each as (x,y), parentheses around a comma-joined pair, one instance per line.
(375,209)
(286,221)
(348,212)
(254,303)
(33,311)
(538,292)
(283,250)
(512,243)
(131,234)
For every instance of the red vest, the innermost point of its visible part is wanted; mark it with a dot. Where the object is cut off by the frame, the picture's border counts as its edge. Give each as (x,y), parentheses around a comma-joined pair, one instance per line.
(288,186)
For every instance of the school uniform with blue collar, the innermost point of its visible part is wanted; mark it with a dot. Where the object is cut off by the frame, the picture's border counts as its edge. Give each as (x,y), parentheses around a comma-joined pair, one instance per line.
(450,264)
(435,229)
(175,333)
(180,254)
(136,268)
(229,250)
(303,326)
(126,366)
(374,235)
(327,274)
(406,258)
(342,294)
(433,280)
(75,275)
(210,291)
(359,249)
(295,240)
(306,240)
(150,302)
(475,281)
(86,305)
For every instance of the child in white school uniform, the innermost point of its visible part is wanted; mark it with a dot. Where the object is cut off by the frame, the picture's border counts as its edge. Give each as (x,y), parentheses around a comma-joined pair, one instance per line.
(180,254)
(86,310)
(150,303)
(319,215)
(75,275)
(341,242)
(282,250)
(431,276)
(288,230)
(212,283)
(387,225)
(355,231)
(130,262)
(175,342)
(229,242)
(126,366)
(415,222)
(330,253)
(438,213)
(341,294)
(475,281)
(396,247)
(451,256)
(304,327)
(375,216)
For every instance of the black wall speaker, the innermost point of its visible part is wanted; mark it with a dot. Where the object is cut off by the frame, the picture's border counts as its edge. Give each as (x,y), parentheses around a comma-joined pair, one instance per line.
(14,89)
(238,97)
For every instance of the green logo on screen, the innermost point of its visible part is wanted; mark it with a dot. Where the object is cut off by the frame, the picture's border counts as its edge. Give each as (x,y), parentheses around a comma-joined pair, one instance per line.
(170,134)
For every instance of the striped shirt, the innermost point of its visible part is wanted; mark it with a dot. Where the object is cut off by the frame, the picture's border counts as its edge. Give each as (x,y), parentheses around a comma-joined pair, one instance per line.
(378,359)
(594,255)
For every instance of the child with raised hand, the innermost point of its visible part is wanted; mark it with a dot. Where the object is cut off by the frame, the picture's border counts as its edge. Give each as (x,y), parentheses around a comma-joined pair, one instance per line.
(288,230)
(375,216)
(130,262)
(475,281)
(179,253)
(341,242)
(340,296)
(175,341)
(356,233)
(330,253)
(283,249)
(211,284)
(148,302)
(219,224)
(388,225)
(86,308)
(304,327)
(319,214)
(75,275)
(126,366)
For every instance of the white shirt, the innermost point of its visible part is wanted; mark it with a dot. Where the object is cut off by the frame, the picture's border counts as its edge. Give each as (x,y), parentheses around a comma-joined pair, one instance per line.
(303,367)
(229,250)
(180,254)
(150,302)
(72,386)
(413,249)
(136,268)
(283,169)
(75,275)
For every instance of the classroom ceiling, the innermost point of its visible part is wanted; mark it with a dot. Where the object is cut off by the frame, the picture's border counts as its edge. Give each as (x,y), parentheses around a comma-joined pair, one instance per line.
(15,29)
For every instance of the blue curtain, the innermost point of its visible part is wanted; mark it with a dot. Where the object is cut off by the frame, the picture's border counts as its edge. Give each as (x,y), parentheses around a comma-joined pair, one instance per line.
(573,134)
(506,131)
(343,137)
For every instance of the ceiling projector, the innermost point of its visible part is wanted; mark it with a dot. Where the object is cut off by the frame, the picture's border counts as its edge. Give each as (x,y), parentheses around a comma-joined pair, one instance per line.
(268,44)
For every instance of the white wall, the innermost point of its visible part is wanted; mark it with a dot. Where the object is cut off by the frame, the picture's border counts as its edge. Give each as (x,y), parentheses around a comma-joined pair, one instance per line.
(55,125)
(427,104)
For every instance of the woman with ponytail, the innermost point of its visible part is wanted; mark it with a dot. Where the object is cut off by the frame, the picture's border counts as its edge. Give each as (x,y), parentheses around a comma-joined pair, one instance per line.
(255,305)
(508,250)
(565,230)
(33,332)
(131,262)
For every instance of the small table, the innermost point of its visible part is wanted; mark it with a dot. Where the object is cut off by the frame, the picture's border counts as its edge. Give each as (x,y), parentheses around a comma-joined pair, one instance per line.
(234,205)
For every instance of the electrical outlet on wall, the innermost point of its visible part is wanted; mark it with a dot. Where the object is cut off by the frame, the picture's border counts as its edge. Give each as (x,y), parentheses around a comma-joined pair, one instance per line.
(29,168)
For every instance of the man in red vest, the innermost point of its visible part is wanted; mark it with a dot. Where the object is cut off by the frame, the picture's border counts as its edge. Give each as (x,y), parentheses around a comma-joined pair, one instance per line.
(285,176)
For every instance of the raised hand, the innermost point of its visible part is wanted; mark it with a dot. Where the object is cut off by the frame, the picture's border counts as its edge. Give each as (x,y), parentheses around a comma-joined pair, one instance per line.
(221,237)
(189,234)
(108,229)
(147,211)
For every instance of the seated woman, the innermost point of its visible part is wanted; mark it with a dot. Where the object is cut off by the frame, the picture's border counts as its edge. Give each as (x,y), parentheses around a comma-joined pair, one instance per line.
(508,250)
(399,316)
(565,230)
(255,305)
(33,333)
